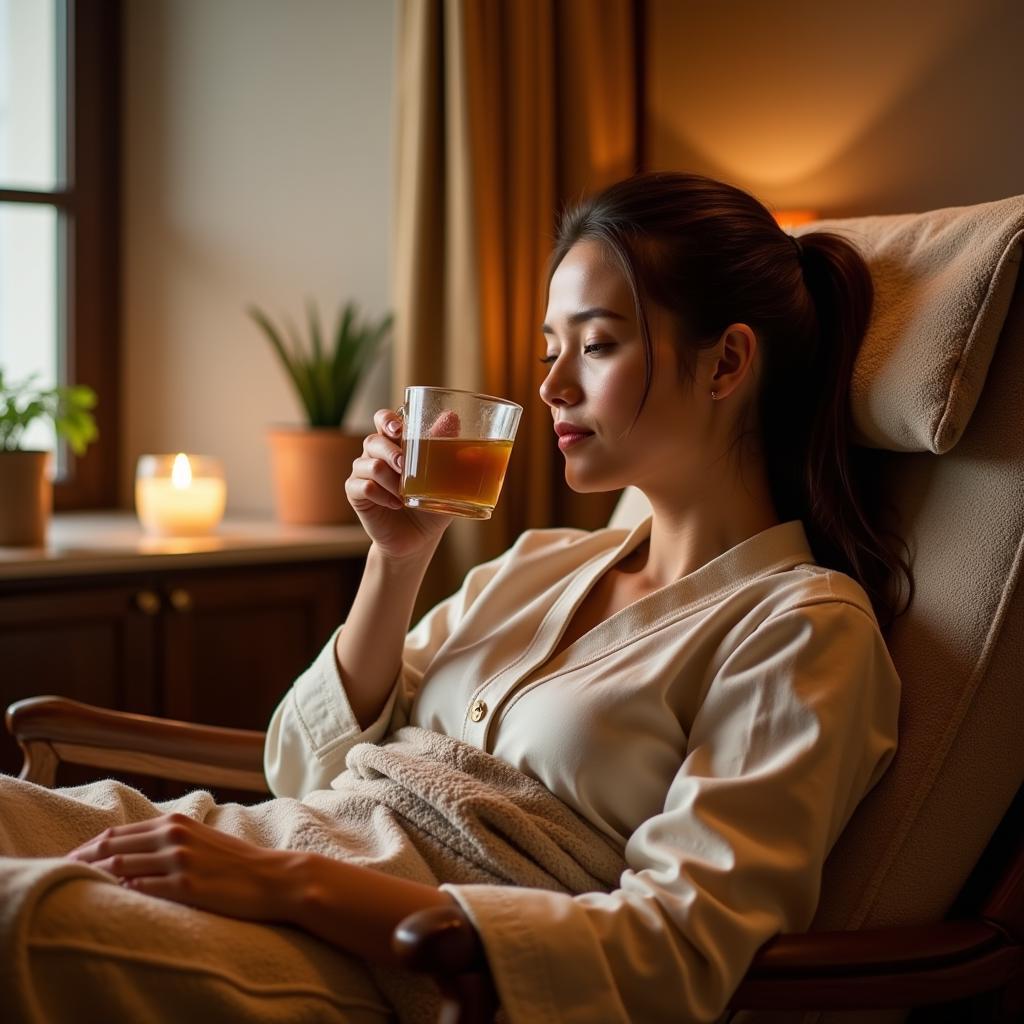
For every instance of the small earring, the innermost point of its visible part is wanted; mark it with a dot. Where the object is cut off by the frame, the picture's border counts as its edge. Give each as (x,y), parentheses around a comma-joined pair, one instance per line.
(714,396)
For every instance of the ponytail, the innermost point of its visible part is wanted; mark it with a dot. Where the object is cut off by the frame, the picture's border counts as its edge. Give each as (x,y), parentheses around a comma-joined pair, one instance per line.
(840,482)
(713,255)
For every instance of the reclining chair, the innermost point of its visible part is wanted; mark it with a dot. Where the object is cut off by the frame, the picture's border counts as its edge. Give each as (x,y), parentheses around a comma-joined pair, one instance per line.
(922,901)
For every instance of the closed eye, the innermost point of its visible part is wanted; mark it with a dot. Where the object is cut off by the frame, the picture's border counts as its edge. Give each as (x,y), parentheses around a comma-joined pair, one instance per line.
(592,349)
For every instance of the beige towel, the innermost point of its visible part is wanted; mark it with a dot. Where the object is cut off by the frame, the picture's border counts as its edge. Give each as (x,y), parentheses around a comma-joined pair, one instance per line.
(421,806)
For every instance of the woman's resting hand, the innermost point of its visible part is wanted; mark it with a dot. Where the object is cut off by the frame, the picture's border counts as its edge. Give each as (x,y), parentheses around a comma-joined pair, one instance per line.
(180,859)
(372,490)
(177,858)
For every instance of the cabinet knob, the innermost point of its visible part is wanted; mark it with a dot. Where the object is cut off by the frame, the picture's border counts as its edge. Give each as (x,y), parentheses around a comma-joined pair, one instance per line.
(181,600)
(147,602)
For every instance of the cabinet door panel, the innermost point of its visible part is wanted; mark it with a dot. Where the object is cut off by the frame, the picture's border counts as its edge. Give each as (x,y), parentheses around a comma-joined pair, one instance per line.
(90,644)
(234,643)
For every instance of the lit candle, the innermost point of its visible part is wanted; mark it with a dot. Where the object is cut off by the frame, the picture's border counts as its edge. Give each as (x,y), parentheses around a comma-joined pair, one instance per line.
(179,495)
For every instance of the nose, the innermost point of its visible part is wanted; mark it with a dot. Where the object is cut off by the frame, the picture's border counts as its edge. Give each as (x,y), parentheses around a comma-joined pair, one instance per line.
(559,388)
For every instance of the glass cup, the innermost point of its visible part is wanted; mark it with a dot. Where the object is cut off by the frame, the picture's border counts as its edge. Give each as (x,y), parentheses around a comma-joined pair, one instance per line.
(455,449)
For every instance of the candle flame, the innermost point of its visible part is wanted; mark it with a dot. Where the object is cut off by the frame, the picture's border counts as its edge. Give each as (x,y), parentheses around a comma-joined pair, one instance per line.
(181,472)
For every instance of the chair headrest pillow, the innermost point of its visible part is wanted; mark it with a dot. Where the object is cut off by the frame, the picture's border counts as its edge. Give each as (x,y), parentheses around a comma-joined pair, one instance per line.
(943,283)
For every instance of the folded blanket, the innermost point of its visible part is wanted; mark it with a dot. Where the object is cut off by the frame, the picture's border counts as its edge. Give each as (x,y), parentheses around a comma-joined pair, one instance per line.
(475,814)
(421,806)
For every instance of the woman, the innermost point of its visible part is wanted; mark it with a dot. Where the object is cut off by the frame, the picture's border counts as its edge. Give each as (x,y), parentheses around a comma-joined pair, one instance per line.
(711,691)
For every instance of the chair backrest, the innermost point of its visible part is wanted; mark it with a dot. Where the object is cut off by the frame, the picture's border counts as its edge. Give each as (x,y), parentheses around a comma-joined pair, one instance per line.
(960,653)
(912,843)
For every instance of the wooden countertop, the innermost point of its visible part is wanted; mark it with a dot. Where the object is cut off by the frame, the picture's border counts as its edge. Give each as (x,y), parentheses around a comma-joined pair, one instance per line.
(104,542)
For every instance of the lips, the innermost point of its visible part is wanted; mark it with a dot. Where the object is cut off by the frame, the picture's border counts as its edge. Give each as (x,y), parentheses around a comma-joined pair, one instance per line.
(564,427)
(568,440)
(570,434)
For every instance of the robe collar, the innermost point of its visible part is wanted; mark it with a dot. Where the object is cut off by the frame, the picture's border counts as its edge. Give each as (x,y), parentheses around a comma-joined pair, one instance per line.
(776,549)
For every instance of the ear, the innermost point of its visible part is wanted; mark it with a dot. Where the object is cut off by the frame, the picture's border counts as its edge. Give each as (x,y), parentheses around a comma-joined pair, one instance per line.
(732,359)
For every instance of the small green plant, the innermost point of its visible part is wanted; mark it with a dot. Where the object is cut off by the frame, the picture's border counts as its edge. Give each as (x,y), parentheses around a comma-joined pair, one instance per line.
(68,407)
(325,379)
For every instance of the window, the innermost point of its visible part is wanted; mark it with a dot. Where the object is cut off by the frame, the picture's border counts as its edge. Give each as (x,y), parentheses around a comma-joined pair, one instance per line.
(59,225)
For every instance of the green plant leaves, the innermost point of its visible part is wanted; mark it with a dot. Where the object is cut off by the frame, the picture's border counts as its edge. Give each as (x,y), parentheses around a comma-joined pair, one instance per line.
(68,407)
(326,380)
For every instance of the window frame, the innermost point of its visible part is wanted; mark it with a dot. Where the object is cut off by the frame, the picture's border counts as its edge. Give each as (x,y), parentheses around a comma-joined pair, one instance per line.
(88,244)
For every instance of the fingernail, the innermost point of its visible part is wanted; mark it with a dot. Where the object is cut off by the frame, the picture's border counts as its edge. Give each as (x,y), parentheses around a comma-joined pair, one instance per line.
(399,462)
(392,426)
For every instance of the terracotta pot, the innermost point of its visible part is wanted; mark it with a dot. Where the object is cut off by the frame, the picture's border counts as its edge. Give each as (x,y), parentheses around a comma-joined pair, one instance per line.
(26,498)
(309,468)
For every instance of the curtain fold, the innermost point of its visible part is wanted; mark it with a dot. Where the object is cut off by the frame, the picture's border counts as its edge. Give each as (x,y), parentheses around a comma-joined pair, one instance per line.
(506,110)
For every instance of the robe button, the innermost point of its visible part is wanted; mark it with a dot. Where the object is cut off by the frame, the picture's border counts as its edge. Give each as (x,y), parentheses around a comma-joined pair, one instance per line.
(478,710)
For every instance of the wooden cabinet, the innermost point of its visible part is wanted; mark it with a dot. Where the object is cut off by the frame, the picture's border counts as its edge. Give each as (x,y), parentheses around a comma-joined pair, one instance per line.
(91,644)
(197,640)
(232,642)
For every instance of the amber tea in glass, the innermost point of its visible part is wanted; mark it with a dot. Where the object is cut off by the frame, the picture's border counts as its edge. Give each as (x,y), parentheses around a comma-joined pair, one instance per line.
(455,449)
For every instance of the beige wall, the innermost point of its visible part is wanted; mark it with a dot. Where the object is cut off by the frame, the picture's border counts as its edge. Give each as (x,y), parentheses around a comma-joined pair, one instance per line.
(258,165)
(847,107)
(257,168)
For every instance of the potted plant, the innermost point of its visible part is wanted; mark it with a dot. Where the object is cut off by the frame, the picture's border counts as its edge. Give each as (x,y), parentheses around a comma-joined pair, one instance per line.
(311,463)
(24,482)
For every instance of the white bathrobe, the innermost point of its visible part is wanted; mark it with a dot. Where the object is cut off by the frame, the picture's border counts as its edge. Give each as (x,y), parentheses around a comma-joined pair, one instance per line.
(721,730)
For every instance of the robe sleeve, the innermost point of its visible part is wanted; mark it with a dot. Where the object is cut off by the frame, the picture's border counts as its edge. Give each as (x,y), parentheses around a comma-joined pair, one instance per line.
(797,724)
(313,727)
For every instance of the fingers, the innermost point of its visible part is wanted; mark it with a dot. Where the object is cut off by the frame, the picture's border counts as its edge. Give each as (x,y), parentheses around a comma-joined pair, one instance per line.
(135,836)
(447,424)
(178,858)
(160,848)
(376,474)
(363,493)
(388,423)
(137,865)
(166,887)
(377,470)
(104,847)
(377,447)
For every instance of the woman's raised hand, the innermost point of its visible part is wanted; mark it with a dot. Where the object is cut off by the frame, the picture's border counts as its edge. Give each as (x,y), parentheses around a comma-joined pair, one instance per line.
(372,489)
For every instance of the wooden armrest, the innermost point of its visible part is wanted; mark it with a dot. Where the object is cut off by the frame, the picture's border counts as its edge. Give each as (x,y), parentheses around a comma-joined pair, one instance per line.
(880,968)
(883,968)
(859,952)
(54,729)
(443,942)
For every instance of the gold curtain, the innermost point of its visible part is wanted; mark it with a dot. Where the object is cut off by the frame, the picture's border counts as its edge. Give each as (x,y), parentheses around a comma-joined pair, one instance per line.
(506,111)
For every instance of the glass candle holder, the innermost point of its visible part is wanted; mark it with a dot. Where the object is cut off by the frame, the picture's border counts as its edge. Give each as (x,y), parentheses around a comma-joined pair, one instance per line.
(179,495)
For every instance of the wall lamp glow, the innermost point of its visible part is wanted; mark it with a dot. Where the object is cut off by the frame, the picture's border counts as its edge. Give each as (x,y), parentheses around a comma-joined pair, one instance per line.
(789,219)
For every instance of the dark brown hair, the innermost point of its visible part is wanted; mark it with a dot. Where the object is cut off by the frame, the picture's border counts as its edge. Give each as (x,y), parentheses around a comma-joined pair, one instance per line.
(713,255)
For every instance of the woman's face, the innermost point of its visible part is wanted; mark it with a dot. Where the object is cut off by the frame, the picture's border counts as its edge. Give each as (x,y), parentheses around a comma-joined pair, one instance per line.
(595,382)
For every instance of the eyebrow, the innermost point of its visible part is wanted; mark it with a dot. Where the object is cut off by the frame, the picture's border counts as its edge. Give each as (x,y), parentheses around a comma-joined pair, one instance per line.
(594,313)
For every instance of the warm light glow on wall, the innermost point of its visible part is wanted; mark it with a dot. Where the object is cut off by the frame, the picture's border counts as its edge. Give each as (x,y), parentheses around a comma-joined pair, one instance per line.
(789,219)
(780,98)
